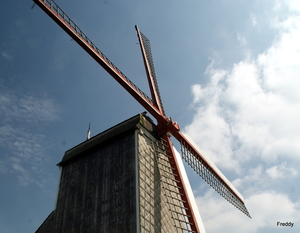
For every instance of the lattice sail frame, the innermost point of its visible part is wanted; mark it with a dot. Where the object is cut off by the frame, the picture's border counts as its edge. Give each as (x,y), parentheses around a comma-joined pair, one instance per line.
(206,173)
(149,65)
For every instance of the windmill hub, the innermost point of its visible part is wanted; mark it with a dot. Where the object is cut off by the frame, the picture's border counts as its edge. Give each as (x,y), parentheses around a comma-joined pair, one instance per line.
(168,127)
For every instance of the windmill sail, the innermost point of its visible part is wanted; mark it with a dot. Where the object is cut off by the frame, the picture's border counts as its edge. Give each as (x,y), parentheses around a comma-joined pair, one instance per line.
(198,161)
(68,25)
(149,66)
(211,174)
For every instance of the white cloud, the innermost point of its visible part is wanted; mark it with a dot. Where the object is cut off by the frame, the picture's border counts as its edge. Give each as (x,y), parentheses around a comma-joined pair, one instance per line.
(253,20)
(254,175)
(31,109)
(292,5)
(22,153)
(7,55)
(281,171)
(23,150)
(44,109)
(252,109)
(266,209)
(242,40)
(247,119)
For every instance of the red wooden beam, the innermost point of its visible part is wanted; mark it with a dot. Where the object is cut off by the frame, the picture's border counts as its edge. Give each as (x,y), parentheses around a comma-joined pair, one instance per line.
(51,9)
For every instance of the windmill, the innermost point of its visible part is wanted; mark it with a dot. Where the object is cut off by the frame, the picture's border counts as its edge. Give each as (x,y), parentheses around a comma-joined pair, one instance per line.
(166,127)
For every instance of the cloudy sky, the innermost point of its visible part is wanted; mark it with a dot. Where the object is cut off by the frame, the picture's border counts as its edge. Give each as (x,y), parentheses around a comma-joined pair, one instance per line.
(228,73)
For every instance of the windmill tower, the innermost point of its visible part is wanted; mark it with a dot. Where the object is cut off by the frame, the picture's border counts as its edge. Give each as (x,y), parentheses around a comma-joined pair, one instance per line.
(167,175)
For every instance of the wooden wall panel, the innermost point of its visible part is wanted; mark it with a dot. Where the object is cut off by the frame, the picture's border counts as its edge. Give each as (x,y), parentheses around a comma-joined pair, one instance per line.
(97,191)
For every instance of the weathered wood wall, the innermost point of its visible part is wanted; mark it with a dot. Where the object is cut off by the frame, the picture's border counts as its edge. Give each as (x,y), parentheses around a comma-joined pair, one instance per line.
(112,183)
(154,215)
(97,191)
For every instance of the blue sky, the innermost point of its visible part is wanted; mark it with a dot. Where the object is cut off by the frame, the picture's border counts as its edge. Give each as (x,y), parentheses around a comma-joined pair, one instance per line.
(228,73)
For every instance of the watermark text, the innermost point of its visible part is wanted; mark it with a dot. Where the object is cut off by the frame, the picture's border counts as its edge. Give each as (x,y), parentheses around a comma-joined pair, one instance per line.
(285,224)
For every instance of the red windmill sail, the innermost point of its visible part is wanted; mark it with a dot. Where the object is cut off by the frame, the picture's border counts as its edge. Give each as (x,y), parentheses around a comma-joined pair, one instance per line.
(165,125)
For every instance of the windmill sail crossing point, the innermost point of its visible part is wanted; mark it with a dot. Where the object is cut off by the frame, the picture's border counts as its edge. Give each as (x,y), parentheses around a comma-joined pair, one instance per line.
(165,127)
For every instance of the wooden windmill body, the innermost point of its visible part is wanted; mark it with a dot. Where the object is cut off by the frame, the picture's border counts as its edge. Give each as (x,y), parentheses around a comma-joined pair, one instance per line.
(182,208)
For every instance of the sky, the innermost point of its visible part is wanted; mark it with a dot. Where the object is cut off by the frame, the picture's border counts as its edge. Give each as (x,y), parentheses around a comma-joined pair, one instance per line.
(228,73)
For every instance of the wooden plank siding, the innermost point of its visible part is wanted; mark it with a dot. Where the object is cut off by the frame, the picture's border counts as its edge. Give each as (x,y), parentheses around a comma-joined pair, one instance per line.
(111,183)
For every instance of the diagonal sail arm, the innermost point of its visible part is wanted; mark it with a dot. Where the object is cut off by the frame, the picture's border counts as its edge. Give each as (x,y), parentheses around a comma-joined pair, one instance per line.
(211,174)
(67,24)
(149,66)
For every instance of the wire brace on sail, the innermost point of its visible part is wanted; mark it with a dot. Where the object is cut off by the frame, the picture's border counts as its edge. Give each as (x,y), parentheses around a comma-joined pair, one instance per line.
(206,173)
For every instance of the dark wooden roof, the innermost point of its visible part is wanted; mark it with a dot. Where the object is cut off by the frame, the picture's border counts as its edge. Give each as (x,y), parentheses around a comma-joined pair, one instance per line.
(140,120)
